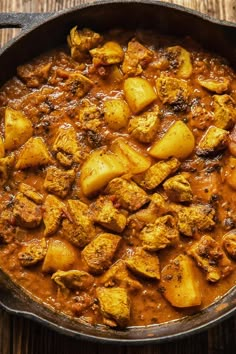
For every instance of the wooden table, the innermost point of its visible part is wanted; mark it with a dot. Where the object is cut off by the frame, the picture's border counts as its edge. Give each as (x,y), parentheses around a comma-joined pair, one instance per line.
(22,336)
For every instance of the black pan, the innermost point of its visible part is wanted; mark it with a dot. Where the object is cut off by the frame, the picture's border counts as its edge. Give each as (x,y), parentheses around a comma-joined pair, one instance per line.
(41,32)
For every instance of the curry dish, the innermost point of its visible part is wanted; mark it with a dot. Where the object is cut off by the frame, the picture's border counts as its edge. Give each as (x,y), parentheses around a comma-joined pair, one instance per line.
(118,178)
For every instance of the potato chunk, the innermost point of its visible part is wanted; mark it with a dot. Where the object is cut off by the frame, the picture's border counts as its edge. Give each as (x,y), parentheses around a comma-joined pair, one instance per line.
(2,148)
(144,264)
(18,129)
(116,113)
(110,53)
(177,142)
(213,140)
(133,160)
(181,56)
(98,170)
(115,306)
(60,256)
(138,93)
(33,153)
(180,284)
(99,253)
(219,86)
(144,127)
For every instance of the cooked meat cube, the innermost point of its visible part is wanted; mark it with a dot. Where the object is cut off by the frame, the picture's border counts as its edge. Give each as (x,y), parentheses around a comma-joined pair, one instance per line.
(213,140)
(160,234)
(52,215)
(66,143)
(110,53)
(26,213)
(180,283)
(77,85)
(229,243)
(34,75)
(219,86)
(136,58)
(157,173)
(178,189)
(194,217)
(66,160)
(127,193)
(90,117)
(119,275)
(144,264)
(115,306)
(104,213)
(99,253)
(224,111)
(173,91)
(6,228)
(32,252)
(210,257)
(58,181)
(73,279)
(5,165)
(144,127)
(31,193)
(33,153)
(81,41)
(78,229)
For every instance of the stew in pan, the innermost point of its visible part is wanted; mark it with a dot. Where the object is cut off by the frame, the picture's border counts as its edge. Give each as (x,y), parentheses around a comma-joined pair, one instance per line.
(118,177)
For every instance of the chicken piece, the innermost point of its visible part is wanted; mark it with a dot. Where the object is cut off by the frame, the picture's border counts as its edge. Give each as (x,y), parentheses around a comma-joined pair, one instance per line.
(59,181)
(32,252)
(114,305)
(78,229)
(214,140)
(118,275)
(26,213)
(73,279)
(173,91)
(90,117)
(66,143)
(219,86)
(6,163)
(210,257)
(110,53)
(81,41)
(224,111)
(180,284)
(77,84)
(136,58)
(178,189)
(229,243)
(157,173)
(104,213)
(52,215)
(127,193)
(33,153)
(144,127)
(144,264)
(99,253)
(160,234)
(31,193)
(34,75)
(194,217)
(157,207)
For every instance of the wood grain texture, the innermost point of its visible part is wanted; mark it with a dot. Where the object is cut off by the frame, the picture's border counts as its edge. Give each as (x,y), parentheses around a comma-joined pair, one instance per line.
(22,336)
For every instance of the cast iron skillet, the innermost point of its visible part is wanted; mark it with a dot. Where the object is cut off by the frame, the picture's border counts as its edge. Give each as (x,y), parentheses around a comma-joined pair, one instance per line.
(44,31)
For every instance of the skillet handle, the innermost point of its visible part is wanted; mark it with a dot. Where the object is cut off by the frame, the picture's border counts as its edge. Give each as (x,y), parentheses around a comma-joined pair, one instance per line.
(21,19)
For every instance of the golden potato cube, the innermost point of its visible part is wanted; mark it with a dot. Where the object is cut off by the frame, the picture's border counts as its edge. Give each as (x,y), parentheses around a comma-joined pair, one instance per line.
(60,256)
(33,153)
(133,160)
(116,113)
(98,170)
(177,142)
(139,93)
(2,149)
(182,56)
(18,129)
(180,284)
